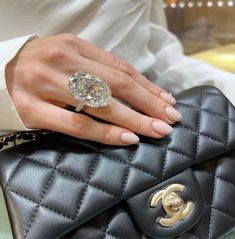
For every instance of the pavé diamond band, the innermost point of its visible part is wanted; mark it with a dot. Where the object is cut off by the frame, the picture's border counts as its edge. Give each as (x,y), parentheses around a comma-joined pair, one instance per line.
(89,90)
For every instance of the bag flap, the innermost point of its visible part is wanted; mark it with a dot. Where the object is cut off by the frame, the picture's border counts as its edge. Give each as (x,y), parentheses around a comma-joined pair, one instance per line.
(169,208)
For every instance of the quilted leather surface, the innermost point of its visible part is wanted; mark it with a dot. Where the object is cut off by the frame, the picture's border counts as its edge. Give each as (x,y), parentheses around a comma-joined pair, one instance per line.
(114,223)
(59,183)
(217,182)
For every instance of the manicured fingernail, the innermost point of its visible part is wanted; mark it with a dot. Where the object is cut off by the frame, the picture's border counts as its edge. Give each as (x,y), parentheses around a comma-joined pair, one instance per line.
(161,127)
(173,114)
(168,98)
(129,138)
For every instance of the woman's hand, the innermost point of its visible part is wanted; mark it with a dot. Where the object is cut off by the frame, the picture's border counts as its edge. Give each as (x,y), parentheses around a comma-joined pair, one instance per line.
(37,80)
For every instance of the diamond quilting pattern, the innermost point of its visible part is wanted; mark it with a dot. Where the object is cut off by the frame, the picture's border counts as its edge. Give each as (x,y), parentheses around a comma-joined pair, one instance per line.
(183,146)
(114,223)
(20,180)
(82,179)
(77,163)
(219,194)
(68,191)
(114,172)
(218,214)
(220,135)
(220,105)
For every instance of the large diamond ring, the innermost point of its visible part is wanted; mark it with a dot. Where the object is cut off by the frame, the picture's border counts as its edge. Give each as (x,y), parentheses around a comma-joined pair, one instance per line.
(89,90)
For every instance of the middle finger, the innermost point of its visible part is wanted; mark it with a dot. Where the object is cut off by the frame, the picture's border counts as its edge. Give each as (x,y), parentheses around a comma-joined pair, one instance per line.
(125,88)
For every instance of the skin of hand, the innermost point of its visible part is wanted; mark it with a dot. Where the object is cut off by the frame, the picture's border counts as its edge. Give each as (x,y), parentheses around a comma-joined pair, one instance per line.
(37,81)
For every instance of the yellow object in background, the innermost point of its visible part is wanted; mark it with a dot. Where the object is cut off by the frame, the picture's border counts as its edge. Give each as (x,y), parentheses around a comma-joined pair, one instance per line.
(222,57)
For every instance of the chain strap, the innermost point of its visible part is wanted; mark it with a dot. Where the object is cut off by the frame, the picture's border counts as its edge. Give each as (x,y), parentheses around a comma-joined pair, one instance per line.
(24,135)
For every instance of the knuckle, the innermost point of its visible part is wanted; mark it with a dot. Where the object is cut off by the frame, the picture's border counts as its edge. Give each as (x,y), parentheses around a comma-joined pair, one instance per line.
(122,80)
(66,38)
(33,71)
(88,47)
(32,78)
(125,66)
(81,41)
(108,110)
(53,52)
(25,109)
(107,135)
(139,124)
(96,53)
(152,88)
(78,124)
(156,103)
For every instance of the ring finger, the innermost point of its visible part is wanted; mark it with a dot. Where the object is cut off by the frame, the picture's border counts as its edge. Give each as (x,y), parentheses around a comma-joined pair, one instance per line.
(125,88)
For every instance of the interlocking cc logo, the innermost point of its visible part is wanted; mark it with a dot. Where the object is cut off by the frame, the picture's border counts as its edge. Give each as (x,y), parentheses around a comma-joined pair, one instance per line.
(173,205)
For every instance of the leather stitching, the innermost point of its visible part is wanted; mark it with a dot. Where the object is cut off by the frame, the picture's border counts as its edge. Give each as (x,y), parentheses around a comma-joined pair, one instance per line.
(14,171)
(206,110)
(190,236)
(212,205)
(226,214)
(222,179)
(105,230)
(210,93)
(198,124)
(214,138)
(106,233)
(178,152)
(221,211)
(91,171)
(127,173)
(218,178)
(163,168)
(69,175)
(43,193)
(227,127)
(112,157)
(41,205)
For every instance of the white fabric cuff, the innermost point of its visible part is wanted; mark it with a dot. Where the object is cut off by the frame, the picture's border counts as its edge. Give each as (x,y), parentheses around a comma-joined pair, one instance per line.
(9,118)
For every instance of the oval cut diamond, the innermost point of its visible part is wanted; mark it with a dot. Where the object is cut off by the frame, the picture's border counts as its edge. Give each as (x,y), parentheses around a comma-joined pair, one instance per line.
(89,90)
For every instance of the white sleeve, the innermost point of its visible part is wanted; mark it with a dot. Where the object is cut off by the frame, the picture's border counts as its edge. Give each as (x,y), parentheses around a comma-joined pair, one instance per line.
(178,72)
(9,118)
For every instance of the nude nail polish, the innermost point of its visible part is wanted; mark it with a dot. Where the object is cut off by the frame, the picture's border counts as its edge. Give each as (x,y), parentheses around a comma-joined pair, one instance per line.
(161,127)
(173,114)
(168,98)
(129,138)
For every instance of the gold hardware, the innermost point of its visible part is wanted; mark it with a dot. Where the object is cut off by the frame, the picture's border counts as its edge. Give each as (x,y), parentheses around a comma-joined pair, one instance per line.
(172,203)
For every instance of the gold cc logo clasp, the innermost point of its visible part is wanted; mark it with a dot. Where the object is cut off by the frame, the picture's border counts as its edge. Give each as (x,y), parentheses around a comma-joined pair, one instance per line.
(173,205)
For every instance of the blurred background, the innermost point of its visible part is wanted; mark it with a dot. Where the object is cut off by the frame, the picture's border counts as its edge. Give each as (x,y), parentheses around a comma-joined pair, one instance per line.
(205,25)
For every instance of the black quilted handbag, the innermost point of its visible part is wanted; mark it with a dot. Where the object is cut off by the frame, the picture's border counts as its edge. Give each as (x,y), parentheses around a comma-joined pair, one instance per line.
(181,186)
